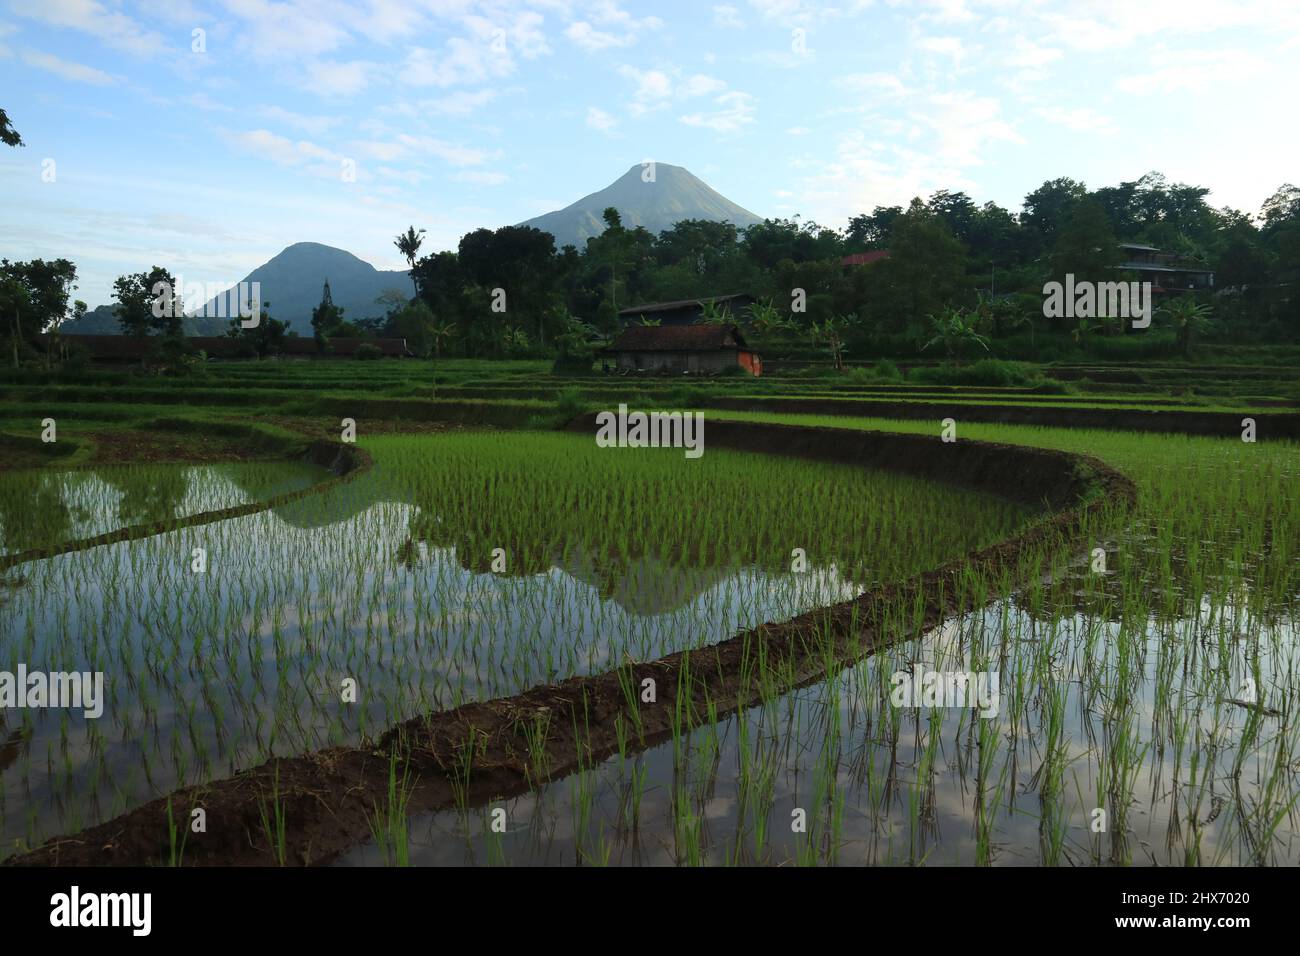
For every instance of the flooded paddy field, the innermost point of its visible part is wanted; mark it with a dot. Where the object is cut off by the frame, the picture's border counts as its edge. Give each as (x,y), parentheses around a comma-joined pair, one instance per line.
(459,567)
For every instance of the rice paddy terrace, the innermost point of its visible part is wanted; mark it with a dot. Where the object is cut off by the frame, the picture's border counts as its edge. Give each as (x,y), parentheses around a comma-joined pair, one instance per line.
(476,636)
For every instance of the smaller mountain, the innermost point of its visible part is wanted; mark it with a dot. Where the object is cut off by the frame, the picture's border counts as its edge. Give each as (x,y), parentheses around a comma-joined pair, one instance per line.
(292,282)
(674,195)
(97,321)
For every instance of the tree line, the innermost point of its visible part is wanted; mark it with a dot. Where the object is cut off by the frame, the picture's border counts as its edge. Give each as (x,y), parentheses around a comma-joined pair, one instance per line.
(957,274)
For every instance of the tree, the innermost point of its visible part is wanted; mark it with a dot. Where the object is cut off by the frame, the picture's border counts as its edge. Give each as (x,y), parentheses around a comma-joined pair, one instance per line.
(148,303)
(700,245)
(442,285)
(957,210)
(8,135)
(408,244)
(873,231)
(16,304)
(261,340)
(35,295)
(925,271)
(1281,208)
(326,318)
(415,323)
(521,261)
(575,353)
(1048,208)
(1086,247)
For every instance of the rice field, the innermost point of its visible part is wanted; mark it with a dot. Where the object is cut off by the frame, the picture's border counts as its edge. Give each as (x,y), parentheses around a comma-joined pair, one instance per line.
(462,566)
(42,509)
(1148,713)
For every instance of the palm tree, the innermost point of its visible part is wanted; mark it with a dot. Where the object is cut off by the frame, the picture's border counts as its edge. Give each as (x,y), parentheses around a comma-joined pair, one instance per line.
(408,244)
(1190,318)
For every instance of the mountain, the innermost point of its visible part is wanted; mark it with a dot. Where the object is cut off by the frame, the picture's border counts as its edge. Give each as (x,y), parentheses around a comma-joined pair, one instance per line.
(98,321)
(675,194)
(292,284)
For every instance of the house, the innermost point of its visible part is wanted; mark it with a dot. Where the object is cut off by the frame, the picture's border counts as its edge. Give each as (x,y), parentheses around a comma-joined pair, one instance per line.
(684,311)
(683,349)
(125,349)
(864,258)
(1165,271)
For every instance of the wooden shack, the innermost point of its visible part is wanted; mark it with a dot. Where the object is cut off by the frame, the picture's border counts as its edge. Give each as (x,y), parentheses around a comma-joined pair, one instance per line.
(688,349)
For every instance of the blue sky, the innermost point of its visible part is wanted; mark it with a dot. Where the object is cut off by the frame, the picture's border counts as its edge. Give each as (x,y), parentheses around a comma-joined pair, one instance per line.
(342,123)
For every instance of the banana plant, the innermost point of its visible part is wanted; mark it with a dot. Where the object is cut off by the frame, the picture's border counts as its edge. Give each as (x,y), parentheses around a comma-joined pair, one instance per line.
(954,329)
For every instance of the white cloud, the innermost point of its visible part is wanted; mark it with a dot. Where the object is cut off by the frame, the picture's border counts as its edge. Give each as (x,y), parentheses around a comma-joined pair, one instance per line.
(1109,25)
(875,84)
(288,28)
(944,46)
(1026,53)
(701,85)
(963,123)
(331,78)
(461,102)
(949,11)
(111,27)
(302,154)
(451,153)
(615,27)
(589,38)
(480,178)
(1194,71)
(1082,120)
(653,88)
(599,119)
(737,112)
(728,17)
(461,61)
(315,125)
(204,102)
(76,72)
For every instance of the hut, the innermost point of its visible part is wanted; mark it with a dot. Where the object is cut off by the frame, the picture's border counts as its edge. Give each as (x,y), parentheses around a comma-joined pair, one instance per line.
(688,349)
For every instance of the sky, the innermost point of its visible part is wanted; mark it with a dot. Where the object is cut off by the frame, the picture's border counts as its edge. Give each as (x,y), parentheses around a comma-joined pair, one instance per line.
(207,135)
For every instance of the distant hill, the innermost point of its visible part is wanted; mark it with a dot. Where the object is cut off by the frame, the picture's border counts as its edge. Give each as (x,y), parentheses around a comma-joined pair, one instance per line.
(98,321)
(675,194)
(291,283)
